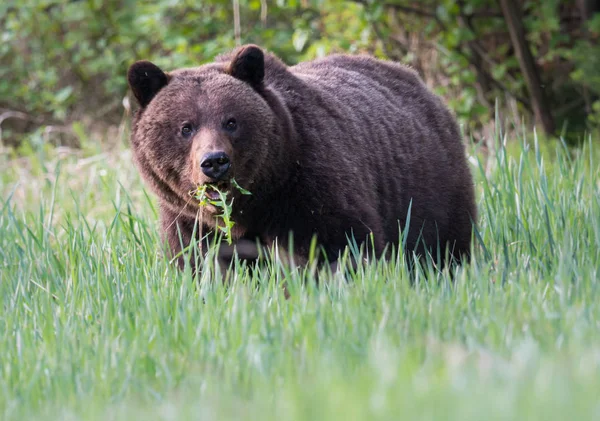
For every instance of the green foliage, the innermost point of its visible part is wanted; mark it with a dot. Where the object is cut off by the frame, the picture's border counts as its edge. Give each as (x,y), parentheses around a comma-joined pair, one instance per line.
(69,58)
(221,203)
(95,324)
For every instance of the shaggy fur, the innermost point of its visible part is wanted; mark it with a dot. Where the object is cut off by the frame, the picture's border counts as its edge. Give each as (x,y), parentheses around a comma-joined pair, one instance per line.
(339,146)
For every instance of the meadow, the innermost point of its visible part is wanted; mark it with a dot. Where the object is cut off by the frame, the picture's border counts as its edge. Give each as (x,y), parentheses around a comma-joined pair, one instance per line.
(96,325)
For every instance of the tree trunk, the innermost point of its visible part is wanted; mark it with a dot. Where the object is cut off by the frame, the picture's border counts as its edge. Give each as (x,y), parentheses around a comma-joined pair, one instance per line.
(587,8)
(514,21)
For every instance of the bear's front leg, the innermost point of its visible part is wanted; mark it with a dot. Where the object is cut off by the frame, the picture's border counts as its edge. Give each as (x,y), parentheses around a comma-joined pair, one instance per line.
(179,230)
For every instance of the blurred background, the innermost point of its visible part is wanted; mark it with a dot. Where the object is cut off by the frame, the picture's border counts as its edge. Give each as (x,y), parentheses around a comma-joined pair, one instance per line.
(63,63)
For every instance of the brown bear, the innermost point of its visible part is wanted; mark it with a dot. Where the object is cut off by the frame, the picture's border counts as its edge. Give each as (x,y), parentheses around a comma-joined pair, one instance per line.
(340,147)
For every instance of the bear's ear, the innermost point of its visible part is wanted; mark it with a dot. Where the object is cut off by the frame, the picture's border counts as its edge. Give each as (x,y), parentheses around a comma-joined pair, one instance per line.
(145,80)
(248,65)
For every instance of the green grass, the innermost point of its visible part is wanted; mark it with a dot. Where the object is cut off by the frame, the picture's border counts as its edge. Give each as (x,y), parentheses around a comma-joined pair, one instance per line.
(95,325)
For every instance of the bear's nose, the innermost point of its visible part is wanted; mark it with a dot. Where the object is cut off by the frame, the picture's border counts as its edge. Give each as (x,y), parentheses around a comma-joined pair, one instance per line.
(215,165)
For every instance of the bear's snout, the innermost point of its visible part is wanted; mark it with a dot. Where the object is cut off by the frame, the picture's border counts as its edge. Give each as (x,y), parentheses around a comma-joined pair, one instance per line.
(215,165)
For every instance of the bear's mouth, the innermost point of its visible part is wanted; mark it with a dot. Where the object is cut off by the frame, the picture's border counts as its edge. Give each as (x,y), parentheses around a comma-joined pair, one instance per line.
(211,194)
(211,190)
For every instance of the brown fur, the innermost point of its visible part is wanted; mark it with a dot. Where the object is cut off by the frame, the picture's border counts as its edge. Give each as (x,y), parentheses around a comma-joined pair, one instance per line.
(333,147)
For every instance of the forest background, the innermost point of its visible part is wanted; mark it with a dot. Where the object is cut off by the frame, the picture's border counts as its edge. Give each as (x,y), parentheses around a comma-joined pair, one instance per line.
(63,63)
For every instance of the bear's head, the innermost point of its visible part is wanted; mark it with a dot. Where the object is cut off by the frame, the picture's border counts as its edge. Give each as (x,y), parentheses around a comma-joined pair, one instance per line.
(208,125)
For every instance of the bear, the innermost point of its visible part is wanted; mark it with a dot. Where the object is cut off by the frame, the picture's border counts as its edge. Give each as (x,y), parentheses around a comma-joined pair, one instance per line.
(344,147)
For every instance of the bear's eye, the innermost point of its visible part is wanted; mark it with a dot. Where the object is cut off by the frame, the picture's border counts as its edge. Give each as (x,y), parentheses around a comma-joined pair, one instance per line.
(186,130)
(231,125)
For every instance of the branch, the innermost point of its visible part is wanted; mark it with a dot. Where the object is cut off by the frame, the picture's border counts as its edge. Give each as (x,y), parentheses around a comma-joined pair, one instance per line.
(6,114)
(236,23)
(512,15)
(405,9)
(263,12)
(479,54)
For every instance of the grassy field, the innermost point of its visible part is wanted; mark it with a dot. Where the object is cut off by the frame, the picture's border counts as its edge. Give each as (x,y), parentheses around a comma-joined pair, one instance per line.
(95,325)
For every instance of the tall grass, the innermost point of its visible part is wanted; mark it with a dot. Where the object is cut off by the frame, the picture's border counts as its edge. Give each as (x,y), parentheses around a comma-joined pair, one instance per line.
(95,324)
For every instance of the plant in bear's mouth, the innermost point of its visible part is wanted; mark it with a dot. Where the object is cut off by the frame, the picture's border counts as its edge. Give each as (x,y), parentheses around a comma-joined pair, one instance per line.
(220,202)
